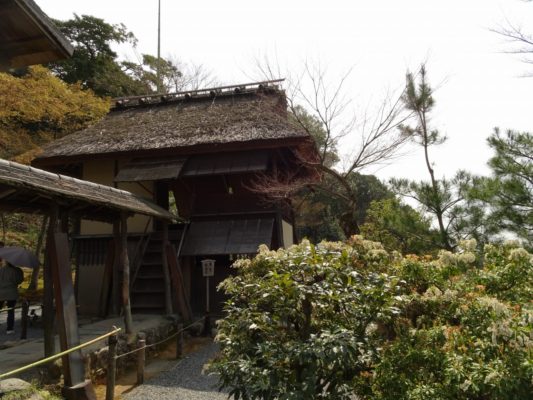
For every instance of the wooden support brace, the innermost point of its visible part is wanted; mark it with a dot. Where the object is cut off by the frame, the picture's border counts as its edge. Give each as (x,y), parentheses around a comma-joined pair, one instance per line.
(178,287)
(66,310)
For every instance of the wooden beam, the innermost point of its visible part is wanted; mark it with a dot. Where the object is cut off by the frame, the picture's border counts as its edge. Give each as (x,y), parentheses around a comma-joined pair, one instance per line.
(124,260)
(21,207)
(6,193)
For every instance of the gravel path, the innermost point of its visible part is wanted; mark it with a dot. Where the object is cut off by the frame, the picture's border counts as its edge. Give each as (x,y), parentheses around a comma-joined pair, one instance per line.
(185,381)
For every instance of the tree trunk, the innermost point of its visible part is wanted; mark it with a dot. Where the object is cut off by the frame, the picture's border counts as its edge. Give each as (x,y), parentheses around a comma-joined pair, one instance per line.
(348,221)
(438,206)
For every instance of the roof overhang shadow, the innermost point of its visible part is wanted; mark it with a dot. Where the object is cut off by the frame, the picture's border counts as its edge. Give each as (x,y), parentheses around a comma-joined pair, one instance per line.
(28,36)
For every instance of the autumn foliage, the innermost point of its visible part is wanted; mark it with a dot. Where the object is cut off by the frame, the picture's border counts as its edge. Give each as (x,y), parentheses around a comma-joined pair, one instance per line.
(38,107)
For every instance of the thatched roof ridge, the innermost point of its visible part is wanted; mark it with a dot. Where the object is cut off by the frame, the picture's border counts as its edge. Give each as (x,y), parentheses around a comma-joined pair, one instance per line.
(33,189)
(214,117)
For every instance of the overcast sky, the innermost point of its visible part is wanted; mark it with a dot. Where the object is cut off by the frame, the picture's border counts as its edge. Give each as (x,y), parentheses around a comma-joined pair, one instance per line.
(479,87)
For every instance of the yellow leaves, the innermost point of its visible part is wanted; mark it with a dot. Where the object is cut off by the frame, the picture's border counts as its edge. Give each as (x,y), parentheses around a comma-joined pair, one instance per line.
(14,141)
(39,107)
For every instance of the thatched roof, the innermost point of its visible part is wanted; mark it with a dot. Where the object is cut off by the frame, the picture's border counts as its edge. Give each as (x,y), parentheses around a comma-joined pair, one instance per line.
(222,116)
(27,36)
(28,189)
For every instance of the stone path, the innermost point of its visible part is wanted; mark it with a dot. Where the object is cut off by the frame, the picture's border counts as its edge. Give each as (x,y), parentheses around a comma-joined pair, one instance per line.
(25,352)
(186,380)
(34,330)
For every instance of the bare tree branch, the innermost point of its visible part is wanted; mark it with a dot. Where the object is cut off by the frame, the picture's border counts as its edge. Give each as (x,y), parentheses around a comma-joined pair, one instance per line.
(313,95)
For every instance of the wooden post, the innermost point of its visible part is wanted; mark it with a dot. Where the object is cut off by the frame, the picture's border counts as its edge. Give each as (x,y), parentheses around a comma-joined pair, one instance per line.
(48,295)
(66,311)
(115,303)
(207,324)
(141,358)
(166,274)
(24,319)
(279,226)
(76,387)
(179,340)
(111,367)
(124,260)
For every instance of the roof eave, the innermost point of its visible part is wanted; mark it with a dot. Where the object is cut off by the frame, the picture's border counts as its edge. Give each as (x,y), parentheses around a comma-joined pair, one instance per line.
(33,26)
(203,148)
(47,27)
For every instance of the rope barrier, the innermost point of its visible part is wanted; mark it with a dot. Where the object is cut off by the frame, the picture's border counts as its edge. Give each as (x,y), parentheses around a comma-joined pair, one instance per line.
(161,341)
(88,343)
(15,308)
(59,355)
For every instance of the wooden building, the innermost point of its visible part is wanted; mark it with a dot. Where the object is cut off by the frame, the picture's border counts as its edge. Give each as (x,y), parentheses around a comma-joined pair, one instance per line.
(202,153)
(31,190)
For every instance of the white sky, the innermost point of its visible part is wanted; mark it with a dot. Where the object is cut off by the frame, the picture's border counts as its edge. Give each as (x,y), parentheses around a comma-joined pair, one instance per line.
(479,86)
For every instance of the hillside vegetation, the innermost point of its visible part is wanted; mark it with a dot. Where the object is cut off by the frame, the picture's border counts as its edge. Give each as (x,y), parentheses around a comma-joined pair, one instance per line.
(38,108)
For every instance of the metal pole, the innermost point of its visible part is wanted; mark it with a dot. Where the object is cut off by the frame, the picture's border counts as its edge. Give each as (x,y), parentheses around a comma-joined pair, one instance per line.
(111,367)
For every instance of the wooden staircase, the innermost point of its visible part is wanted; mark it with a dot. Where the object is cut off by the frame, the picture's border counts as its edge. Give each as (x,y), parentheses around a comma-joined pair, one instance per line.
(148,286)
(148,290)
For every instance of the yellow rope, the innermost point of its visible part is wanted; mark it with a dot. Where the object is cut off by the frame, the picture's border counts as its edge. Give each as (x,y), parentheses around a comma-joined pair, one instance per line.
(81,346)
(58,355)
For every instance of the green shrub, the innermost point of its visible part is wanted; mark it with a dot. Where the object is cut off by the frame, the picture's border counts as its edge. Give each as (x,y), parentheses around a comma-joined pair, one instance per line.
(337,319)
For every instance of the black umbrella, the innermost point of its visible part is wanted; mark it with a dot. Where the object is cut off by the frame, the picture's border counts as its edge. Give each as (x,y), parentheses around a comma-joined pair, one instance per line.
(19,256)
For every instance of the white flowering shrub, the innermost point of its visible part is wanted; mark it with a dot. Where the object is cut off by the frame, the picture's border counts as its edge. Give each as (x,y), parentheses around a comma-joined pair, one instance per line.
(341,319)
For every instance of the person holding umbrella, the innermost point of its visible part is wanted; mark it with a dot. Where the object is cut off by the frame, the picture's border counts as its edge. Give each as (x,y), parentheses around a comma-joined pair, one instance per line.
(10,278)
